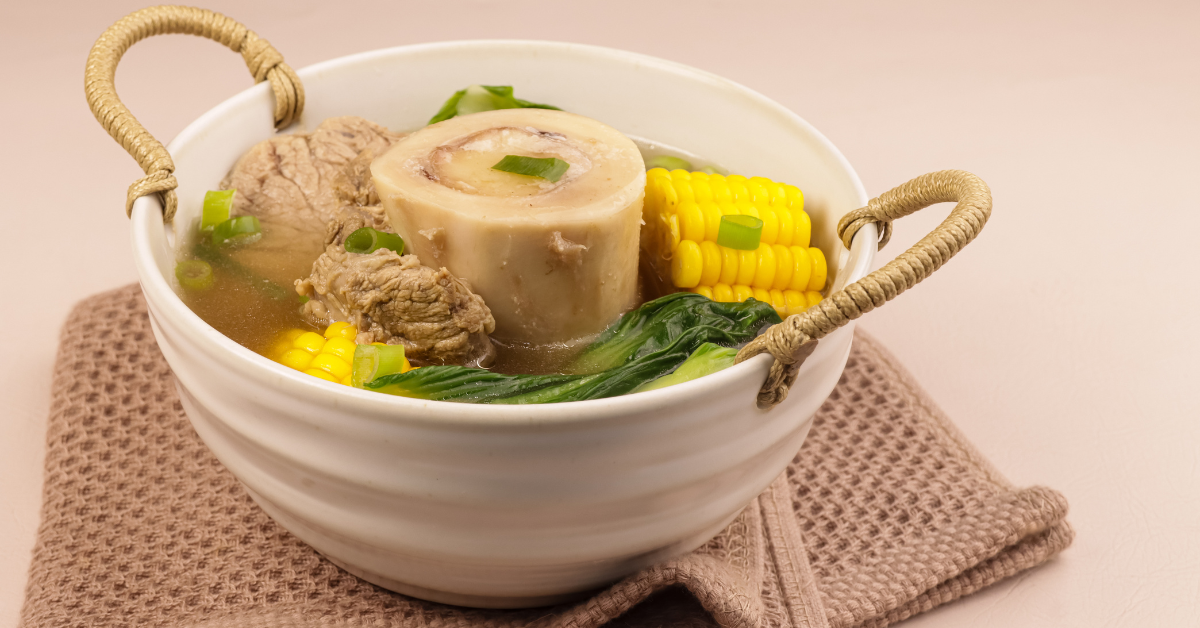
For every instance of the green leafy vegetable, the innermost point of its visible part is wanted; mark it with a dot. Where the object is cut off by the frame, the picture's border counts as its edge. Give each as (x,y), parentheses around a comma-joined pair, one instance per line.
(739,231)
(368,240)
(708,359)
(237,231)
(549,168)
(642,346)
(374,361)
(660,322)
(459,383)
(217,205)
(669,162)
(478,98)
(194,274)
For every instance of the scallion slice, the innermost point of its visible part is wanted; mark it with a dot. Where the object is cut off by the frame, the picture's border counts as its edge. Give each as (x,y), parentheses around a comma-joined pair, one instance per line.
(549,168)
(194,274)
(237,231)
(374,361)
(740,232)
(368,240)
(669,162)
(478,98)
(217,205)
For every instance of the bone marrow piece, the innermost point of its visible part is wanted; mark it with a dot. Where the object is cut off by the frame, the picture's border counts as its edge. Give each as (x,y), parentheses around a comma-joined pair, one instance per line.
(554,260)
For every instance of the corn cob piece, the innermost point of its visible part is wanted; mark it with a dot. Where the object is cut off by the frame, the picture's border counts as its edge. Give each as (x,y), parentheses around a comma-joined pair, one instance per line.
(683,213)
(329,356)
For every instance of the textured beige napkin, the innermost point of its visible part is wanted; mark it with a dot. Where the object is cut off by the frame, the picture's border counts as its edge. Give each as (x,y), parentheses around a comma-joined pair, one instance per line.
(884,513)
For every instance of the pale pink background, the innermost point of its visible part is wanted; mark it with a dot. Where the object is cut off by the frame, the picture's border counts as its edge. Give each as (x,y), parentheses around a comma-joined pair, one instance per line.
(1063,341)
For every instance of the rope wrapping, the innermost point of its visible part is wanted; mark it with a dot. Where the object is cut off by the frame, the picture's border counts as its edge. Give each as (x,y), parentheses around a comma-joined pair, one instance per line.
(793,340)
(263,61)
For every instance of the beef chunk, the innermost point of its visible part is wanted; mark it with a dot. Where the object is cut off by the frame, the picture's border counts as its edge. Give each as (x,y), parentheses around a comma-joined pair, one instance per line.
(300,181)
(394,299)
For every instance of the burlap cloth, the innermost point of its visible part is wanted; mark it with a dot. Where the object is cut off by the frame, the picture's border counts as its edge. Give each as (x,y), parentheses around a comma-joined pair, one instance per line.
(885,512)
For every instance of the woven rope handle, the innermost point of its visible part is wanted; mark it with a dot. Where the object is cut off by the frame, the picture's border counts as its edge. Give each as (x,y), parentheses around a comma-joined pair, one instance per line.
(793,340)
(264,62)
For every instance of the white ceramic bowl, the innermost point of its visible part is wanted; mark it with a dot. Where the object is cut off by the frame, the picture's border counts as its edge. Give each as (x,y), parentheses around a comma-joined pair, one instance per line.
(501,506)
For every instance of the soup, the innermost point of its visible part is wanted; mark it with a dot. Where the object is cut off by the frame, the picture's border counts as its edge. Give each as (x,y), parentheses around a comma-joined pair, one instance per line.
(537,258)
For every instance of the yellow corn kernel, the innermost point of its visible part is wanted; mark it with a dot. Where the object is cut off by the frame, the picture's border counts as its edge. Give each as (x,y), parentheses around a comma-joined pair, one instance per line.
(764,272)
(745,208)
(783,267)
(802,268)
(691,222)
(712,220)
(796,302)
(802,229)
(703,291)
(700,188)
(346,381)
(722,292)
(729,266)
(795,197)
(670,232)
(819,270)
(293,334)
(760,190)
(747,267)
(331,364)
(742,292)
(711,254)
(813,297)
(770,230)
(787,225)
(310,342)
(762,295)
(341,329)
(779,195)
(322,374)
(298,359)
(686,265)
(720,190)
(341,348)
(737,188)
(780,302)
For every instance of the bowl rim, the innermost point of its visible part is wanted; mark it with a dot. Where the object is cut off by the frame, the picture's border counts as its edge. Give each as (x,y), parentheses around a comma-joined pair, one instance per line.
(147,216)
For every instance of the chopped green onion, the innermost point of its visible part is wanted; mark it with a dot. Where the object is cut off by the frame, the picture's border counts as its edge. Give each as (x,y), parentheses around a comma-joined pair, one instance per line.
(237,231)
(669,162)
(368,240)
(478,98)
(194,274)
(549,168)
(217,205)
(375,361)
(715,170)
(739,231)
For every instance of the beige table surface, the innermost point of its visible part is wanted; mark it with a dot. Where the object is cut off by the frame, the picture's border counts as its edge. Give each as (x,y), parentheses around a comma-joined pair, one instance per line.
(1063,341)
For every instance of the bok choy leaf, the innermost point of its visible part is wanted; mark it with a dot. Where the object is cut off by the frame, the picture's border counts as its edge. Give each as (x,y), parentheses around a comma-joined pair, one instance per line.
(641,347)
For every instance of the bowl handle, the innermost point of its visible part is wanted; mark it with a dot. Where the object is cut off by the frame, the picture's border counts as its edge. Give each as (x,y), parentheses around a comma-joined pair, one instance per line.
(264,61)
(793,340)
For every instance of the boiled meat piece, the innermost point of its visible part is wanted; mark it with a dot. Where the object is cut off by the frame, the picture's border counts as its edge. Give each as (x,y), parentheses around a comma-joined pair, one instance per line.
(395,300)
(299,181)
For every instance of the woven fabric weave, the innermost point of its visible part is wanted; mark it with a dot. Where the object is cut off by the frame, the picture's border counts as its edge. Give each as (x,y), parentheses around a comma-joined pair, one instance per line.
(884,513)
